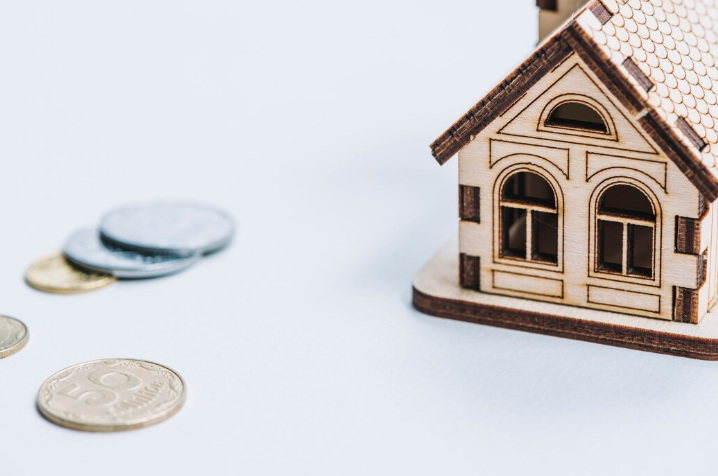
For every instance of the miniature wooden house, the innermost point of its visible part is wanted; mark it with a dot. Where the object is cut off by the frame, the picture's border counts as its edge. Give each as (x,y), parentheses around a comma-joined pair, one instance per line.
(588,178)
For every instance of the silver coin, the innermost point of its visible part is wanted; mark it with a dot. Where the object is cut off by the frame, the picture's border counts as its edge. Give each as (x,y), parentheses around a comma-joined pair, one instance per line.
(86,249)
(111,395)
(173,227)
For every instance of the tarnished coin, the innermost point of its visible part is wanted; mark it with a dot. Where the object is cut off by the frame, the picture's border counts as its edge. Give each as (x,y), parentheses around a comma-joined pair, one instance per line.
(55,275)
(174,227)
(111,395)
(13,336)
(86,249)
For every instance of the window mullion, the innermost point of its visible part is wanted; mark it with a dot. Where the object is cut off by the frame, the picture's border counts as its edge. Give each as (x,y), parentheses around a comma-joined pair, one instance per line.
(653,251)
(529,234)
(624,260)
(628,220)
(528,206)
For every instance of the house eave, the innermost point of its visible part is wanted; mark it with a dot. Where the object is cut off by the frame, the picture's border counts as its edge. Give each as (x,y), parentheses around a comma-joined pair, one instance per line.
(569,40)
(543,60)
(686,158)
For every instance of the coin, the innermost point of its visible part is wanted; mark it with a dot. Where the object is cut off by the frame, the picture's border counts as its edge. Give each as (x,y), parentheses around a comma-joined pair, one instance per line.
(13,336)
(111,395)
(55,275)
(86,249)
(173,227)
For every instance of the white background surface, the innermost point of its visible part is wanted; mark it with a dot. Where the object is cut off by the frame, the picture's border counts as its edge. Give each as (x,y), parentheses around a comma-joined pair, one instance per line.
(310,122)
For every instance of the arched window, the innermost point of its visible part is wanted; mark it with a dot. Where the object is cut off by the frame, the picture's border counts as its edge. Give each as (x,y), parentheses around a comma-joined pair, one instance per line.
(529,219)
(626,224)
(577,115)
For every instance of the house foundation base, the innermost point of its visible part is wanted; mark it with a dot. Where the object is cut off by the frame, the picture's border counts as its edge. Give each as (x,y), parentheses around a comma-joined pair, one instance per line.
(436,292)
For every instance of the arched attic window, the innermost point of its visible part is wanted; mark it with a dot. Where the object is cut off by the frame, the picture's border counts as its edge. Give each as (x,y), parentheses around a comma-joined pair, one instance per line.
(578,116)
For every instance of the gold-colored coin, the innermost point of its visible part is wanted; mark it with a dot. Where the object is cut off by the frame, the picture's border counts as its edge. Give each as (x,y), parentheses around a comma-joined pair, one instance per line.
(13,336)
(111,395)
(54,274)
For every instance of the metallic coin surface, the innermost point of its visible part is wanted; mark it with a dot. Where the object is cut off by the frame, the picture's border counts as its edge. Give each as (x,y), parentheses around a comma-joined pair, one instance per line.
(55,275)
(111,395)
(175,227)
(86,249)
(13,336)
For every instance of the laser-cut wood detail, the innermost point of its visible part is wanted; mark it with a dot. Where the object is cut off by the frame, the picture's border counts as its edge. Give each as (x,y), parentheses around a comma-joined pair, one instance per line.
(575,84)
(590,119)
(690,134)
(621,128)
(602,46)
(469,203)
(502,149)
(702,269)
(528,284)
(677,52)
(601,13)
(688,238)
(576,115)
(654,169)
(637,74)
(436,292)
(626,236)
(626,225)
(686,305)
(498,100)
(469,272)
(623,300)
(527,217)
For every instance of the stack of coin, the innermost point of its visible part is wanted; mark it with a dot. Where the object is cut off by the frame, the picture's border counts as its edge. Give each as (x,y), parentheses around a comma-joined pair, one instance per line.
(138,241)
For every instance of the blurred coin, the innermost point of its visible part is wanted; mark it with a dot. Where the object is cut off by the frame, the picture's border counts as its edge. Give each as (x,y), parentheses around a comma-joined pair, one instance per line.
(111,395)
(185,228)
(85,249)
(13,336)
(55,275)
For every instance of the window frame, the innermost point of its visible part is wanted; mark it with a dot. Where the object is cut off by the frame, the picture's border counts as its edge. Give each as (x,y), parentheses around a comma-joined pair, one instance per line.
(500,202)
(558,101)
(595,270)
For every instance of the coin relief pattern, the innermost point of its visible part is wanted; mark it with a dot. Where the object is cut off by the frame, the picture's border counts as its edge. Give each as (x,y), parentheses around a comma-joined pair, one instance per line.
(111,395)
(12,334)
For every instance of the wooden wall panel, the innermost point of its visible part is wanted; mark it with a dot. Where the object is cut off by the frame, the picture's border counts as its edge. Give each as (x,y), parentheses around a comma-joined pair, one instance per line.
(470,272)
(469,203)
(688,239)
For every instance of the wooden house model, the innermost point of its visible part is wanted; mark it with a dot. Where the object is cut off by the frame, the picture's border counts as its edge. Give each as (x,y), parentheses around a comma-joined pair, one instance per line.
(588,183)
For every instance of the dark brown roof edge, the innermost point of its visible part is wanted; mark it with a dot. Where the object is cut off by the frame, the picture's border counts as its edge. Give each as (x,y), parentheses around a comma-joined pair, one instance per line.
(552,53)
(601,66)
(671,145)
(653,124)
(549,55)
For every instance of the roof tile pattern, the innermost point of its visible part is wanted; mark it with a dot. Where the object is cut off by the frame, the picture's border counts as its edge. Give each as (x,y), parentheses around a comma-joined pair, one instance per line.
(675,45)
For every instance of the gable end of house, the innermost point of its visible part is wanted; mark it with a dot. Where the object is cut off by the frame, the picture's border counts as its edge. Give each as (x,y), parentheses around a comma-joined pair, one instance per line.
(569,40)
(550,55)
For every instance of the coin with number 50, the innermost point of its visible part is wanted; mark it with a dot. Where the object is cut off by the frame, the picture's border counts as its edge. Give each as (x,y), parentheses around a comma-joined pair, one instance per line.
(111,395)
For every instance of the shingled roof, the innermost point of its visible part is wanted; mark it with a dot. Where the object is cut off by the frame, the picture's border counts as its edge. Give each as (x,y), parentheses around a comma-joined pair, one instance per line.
(659,57)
